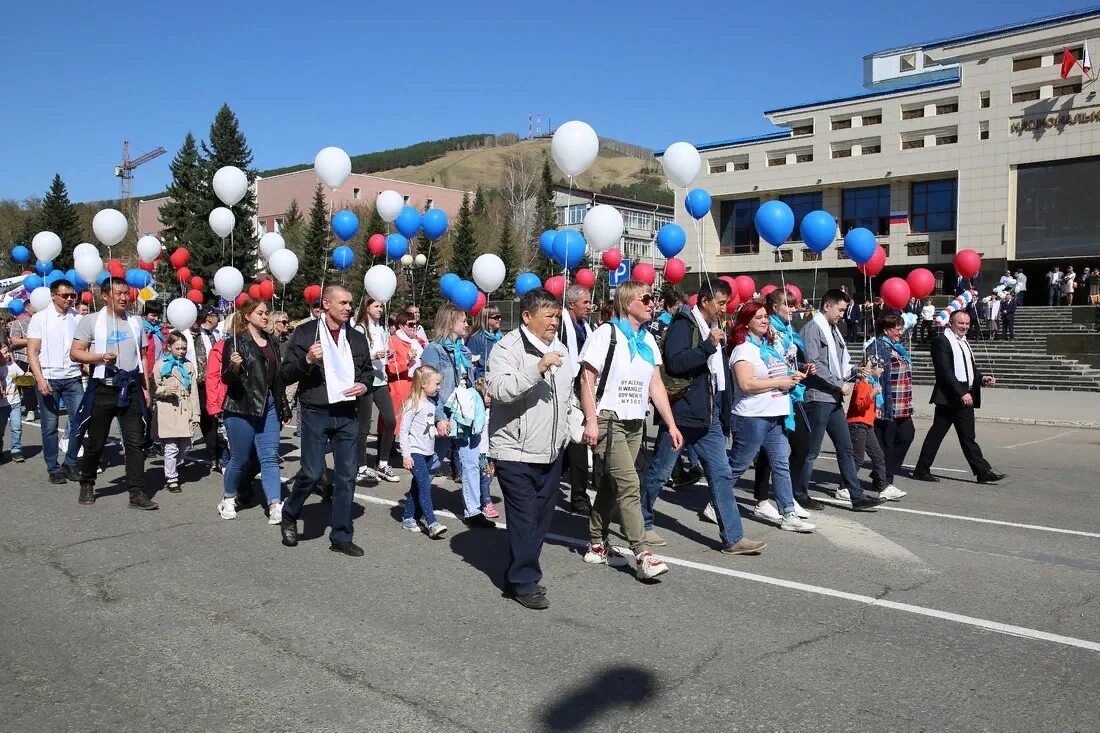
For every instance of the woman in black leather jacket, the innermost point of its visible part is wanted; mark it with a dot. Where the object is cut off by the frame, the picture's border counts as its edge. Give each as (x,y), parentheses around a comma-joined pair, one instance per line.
(255,407)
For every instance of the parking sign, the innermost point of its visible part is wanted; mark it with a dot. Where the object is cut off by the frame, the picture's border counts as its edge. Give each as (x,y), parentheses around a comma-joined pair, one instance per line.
(619,274)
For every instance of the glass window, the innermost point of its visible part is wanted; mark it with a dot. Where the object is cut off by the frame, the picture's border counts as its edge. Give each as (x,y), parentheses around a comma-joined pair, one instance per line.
(801,204)
(866,207)
(738,227)
(577,212)
(278,224)
(561,215)
(638,220)
(263,225)
(661,219)
(934,205)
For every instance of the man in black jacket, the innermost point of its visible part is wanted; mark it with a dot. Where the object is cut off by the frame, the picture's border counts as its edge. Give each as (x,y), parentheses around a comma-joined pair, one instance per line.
(957,393)
(331,365)
(703,412)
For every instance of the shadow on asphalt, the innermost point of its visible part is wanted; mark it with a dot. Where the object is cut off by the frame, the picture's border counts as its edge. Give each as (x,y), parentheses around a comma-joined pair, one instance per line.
(485,550)
(614,687)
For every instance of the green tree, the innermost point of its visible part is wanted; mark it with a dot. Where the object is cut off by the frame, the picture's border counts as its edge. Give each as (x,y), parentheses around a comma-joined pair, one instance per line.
(227,146)
(293,215)
(58,215)
(183,214)
(510,257)
(479,202)
(546,217)
(463,242)
(316,244)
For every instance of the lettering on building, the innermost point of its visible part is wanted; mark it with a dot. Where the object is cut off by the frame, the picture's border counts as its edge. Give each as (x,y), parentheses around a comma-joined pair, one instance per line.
(1062,120)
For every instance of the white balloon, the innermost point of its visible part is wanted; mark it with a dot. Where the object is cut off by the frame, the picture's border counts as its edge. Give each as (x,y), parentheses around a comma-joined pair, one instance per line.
(182,313)
(83,249)
(40,298)
(110,226)
(271,243)
(682,163)
(333,166)
(228,282)
(380,282)
(489,272)
(283,264)
(406,259)
(46,246)
(389,205)
(230,184)
(89,266)
(420,260)
(574,147)
(222,221)
(603,227)
(148,248)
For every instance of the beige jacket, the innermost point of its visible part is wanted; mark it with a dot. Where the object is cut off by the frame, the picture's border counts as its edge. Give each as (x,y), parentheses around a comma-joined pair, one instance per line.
(177,412)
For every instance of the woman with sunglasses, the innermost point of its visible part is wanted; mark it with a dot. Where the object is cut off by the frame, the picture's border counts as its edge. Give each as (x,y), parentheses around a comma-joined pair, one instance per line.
(407,348)
(280,332)
(487,335)
(370,324)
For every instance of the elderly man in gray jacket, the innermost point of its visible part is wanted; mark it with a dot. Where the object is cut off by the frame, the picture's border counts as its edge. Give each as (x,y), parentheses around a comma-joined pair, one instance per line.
(530,382)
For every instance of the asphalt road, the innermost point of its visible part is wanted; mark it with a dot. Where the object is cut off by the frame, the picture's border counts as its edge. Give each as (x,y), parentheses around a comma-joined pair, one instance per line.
(921,616)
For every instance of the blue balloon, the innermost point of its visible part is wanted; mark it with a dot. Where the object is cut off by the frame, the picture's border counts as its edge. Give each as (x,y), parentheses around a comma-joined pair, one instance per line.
(569,246)
(136,278)
(78,282)
(43,268)
(527,281)
(408,222)
(671,239)
(434,223)
(859,245)
(345,224)
(396,246)
(53,277)
(464,295)
(32,281)
(20,254)
(818,230)
(447,283)
(546,243)
(342,256)
(697,203)
(103,277)
(774,222)
(16,307)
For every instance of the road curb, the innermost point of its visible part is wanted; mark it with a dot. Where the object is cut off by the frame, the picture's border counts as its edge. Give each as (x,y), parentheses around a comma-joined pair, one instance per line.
(1080,424)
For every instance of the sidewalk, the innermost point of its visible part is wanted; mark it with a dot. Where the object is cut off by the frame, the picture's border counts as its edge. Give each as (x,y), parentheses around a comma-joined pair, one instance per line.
(1026,407)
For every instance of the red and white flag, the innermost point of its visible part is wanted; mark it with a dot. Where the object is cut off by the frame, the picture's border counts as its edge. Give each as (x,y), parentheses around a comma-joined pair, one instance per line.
(1086,63)
(1069,60)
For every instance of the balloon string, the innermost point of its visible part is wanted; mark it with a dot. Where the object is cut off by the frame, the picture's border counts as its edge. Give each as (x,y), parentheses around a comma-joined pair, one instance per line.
(813,298)
(702,258)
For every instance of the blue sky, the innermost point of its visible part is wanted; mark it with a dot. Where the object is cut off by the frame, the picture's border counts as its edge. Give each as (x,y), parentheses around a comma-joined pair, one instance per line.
(303,75)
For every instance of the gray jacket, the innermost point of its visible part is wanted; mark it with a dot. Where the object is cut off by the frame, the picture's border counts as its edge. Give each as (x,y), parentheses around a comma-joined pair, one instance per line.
(527,419)
(823,386)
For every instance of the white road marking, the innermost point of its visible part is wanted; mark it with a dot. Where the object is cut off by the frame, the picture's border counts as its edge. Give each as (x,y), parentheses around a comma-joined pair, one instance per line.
(1033,442)
(906,465)
(995,626)
(1039,527)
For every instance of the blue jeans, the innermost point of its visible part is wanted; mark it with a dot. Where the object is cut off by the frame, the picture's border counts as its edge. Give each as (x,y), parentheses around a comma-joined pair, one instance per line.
(245,431)
(750,434)
(829,417)
(710,447)
(468,448)
(418,499)
(70,392)
(320,430)
(12,415)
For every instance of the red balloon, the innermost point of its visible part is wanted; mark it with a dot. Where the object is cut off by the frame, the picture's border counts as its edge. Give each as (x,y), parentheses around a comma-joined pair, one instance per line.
(873,266)
(793,290)
(179,257)
(556,285)
(644,272)
(768,289)
(731,306)
(195,296)
(184,275)
(585,278)
(147,266)
(241,299)
(311,293)
(968,263)
(134,295)
(254,291)
(197,283)
(895,292)
(86,297)
(482,299)
(612,258)
(377,244)
(116,269)
(921,282)
(746,288)
(729,280)
(693,299)
(675,269)
(267,289)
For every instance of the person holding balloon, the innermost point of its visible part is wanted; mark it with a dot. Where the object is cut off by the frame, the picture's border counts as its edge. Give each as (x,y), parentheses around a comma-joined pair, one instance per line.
(369,323)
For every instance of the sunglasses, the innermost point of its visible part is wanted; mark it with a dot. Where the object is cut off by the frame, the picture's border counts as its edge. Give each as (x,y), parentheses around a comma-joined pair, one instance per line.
(646,299)
(497,317)
(412,324)
(67,296)
(283,323)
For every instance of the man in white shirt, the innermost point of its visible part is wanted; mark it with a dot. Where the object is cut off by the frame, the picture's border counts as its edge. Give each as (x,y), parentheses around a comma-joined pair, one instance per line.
(1021,286)
(57,377)
(574,332)
(1054,285)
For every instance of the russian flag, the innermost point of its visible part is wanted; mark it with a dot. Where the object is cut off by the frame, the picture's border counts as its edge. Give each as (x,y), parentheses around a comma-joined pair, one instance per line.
(899,217)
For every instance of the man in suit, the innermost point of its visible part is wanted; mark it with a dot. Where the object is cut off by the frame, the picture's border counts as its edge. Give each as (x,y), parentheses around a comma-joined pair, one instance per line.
(852,315)
(573,332)
(957,393)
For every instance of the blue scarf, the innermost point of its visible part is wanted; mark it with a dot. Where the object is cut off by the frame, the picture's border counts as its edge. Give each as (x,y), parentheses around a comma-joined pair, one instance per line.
(665,318)
(494,337)
(457,349)
(169,362)
(635,340)
(153,330)
(767,350)
(786,330)
(899,348)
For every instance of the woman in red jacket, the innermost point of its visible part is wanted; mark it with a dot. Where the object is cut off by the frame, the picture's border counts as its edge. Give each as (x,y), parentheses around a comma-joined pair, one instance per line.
(407,348)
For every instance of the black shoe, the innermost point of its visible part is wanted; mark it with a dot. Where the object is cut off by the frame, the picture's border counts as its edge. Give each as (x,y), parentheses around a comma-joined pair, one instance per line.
(534,601)
(289,530)
(479,521)
(581,507)
(865,503)
(812,505)
(138,500)
(58,477)
(87,494)
(349,548)
(924,476)
(990,477)
(72,472)
(17,456)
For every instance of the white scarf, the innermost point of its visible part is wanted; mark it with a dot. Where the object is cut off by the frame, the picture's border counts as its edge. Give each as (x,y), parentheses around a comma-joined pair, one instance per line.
(714,361)
(545,348)
(962,358)
(101,345)
(416,350)
(338,364)
(839,370)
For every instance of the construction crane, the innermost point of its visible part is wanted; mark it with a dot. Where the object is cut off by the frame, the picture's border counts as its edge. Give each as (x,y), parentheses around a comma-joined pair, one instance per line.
(125,173)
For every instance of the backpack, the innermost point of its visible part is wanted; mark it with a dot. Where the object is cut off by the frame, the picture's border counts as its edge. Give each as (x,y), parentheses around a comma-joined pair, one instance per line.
(676,386)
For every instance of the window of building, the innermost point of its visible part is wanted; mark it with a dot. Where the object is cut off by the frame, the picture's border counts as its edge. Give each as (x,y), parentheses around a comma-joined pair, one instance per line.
(356,193)
(1029,95)
(406,198)
(983,130)
(801,204)
(784,255)
(842,153)
(1028,62)
(1067,89)
(263,225)
(428,204)
(737,227)
(866,207)
(279,224)
(933,205)
(872,119)
(871,149)
(806,157)
(947,139)
(929,62)
(803,129)
(912,113)
(561,215)
(659,220)
(948,246)
(983,100)
(947,108)
(917,142)
(907,62)
(843,124)
(717,166)
(741,165)
(779,160)
(638,220)
(577,212)
(637,250)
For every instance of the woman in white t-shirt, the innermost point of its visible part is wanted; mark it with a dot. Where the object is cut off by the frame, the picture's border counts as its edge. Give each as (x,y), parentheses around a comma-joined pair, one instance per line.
(616,387)
(761,403)
(370,324)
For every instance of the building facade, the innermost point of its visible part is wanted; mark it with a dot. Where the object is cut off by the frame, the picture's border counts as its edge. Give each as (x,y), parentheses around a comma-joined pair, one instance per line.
(975,141)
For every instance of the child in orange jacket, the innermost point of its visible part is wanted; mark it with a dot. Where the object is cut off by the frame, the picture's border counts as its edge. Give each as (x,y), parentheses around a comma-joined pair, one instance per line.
(864,407)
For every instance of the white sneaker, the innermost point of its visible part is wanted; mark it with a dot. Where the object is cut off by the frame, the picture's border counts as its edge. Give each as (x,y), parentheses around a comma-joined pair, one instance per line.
(366,474)
(709,514)
(766,510)
(792,523)
(275,513)
(800,512)
(647,566)
(62,446)
(227,507)
(842,495)
(891,493)
(604,555)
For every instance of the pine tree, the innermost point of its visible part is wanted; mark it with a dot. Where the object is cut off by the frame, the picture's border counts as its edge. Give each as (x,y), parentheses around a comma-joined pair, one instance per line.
(479,202)
(59,216)
(510,257)
(426,279)
(293,215)
(546,217)
(227,146)
(316,244)
(183,214)
(463,244)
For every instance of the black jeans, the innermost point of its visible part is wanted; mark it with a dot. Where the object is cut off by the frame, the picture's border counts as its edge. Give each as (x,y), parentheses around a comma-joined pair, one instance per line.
(105,409)
(580,478)
(530,492)
(319,428)
(208,427)
(962,418)
(865,443)
(380,397)
(895,437)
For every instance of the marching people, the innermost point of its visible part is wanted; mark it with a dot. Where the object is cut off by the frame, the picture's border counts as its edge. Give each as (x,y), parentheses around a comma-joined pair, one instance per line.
(418,451)
(331,364)
(573,332)
(530,383)
(864,407)
(370,324)
(956,394)
(486,336)
(11,405)
(894,426)
(50,337)
(406,349)
(1008,316)
(176,405)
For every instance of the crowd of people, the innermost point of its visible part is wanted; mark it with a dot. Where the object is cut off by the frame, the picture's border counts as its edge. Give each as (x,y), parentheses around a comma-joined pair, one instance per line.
(564,394)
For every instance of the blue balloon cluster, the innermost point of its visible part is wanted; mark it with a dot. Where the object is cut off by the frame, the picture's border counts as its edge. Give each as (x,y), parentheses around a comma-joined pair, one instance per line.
(33,282)
(527,281)
(671,240)
(697,203)
(433,223)
(774,222)
(397,246)
(103,277)
(461,293)
(345,224)
(52,277)
(343,257)
(43,268)
(16,307)
(859,245)
(20,254)
(569,246)
(818,230)
(408,222)
(136,278)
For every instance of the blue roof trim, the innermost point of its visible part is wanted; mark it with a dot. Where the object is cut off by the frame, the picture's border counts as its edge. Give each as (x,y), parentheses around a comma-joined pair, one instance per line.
(735,141)
(954,79)
(997,31)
